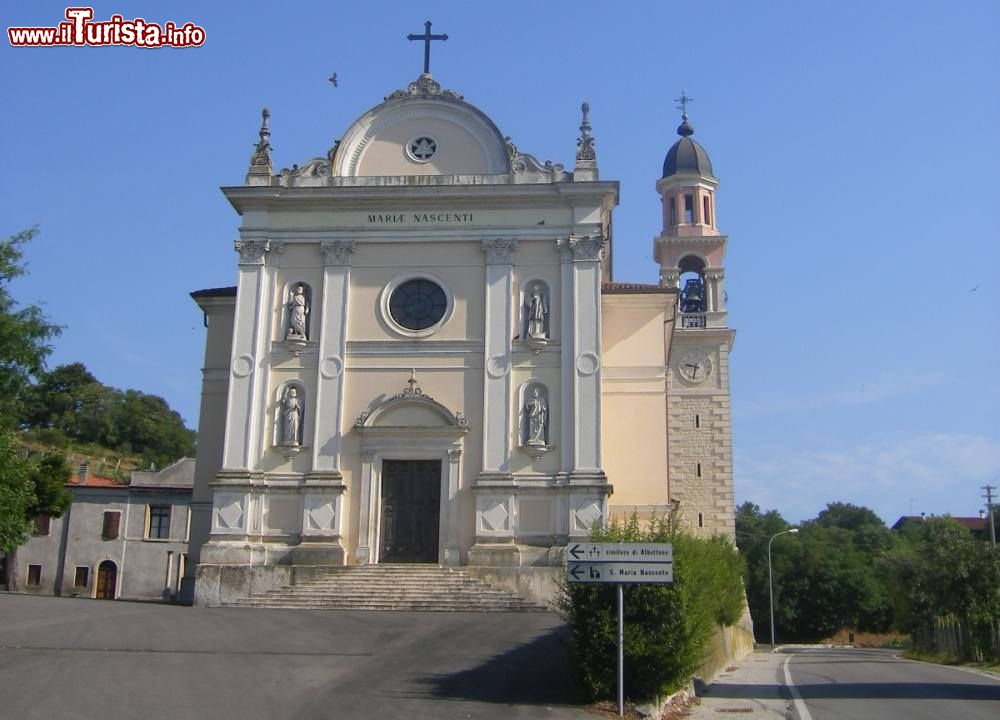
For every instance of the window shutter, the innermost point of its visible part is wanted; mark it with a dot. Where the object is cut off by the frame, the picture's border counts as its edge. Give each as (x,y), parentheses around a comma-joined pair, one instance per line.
(110,530)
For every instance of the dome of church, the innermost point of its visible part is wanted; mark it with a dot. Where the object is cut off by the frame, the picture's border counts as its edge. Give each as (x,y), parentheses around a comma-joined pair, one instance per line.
(423,130)
(686,156)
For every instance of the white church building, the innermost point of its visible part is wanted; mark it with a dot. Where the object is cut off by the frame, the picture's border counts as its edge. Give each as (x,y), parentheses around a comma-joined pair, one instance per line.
(426,358)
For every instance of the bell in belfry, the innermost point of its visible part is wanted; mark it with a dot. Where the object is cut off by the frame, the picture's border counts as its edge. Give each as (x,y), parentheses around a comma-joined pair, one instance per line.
(693,296)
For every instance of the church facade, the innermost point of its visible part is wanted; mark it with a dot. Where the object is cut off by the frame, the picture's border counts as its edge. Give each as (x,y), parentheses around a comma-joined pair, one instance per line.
(426,358)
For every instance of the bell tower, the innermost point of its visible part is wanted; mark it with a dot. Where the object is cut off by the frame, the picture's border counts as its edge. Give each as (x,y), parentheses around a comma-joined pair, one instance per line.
(690,251)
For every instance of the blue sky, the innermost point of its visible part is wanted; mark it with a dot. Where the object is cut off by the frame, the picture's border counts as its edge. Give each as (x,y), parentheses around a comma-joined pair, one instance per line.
(856,143)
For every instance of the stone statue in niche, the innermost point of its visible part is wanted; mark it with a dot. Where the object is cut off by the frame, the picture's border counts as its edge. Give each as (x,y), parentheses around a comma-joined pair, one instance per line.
(537,411)
(538,312)
(298,309)
(291,418)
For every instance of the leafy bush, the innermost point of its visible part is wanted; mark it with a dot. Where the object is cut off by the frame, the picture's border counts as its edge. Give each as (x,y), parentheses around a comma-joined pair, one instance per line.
(666,627)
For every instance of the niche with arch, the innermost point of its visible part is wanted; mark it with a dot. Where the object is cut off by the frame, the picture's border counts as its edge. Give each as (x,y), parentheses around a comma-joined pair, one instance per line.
(535,425)
(535,324)
(289,418)
(296,313)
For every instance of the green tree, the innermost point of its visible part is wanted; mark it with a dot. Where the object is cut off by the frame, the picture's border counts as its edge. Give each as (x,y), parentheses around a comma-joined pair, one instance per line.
(825,579)
(28,488)
(17,493)
(70,400)
(24,332)
(753,531)
(940,571)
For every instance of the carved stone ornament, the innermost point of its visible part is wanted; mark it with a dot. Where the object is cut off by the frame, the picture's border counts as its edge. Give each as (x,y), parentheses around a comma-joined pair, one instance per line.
(423,85)
(252,252)
(261,157)
(412,392)
(526,168)
(337,252)
(670,278)
(585,143)
(367,455)
(317,167)
(586,247)
(499,251)
(582,247)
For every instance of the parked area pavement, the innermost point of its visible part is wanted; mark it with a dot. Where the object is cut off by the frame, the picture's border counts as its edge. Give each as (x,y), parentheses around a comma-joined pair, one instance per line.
(66,657)
(751,688)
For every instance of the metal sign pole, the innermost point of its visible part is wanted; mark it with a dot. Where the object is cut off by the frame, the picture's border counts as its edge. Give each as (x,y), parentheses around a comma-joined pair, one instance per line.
(621,650)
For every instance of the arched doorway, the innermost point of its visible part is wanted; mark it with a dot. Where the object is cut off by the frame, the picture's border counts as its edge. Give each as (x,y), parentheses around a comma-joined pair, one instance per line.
(107,580)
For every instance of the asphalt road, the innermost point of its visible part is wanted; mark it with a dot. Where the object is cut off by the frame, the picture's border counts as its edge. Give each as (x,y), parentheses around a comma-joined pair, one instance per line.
(855,684)
(74,658)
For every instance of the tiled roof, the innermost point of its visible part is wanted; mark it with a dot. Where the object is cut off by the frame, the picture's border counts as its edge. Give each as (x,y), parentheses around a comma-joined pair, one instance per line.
(95,481)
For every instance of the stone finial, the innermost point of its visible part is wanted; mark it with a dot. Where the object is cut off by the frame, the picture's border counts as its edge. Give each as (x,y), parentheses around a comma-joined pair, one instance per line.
(586,157)
(260,161)
(585,144)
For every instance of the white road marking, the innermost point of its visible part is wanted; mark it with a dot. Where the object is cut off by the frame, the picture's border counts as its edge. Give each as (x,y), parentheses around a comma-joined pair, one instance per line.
(800,705)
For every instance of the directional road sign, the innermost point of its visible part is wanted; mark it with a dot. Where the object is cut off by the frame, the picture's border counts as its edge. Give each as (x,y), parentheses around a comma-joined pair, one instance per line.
(606,572)
(621,552)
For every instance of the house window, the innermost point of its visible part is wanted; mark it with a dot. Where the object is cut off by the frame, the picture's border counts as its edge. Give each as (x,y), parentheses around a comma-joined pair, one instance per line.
(42,525)
(34,574)
(81,576)
(159,522)
(701,520)
(697,421)
(109,530)
(673,211)
(706,215)
(689,209)
(698,469)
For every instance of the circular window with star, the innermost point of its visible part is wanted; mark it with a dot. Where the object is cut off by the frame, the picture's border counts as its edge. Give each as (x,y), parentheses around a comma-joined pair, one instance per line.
(416,305)
(421,149)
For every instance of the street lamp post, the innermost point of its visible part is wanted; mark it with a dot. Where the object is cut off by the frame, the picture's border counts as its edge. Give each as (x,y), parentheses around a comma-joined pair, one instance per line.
(770,576)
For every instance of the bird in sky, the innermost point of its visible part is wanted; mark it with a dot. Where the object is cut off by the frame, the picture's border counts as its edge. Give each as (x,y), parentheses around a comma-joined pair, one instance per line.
(333,79)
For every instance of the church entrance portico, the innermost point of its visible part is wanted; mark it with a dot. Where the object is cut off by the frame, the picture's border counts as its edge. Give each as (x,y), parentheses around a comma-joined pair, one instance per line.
(411,511)
(411,450)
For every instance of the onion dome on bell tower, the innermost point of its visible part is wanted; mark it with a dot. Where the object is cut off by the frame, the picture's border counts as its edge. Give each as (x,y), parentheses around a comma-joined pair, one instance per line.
(686,156)
(690,249)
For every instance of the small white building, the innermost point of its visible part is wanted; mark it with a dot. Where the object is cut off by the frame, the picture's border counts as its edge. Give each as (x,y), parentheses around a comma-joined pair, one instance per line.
(116,540)
(426,357)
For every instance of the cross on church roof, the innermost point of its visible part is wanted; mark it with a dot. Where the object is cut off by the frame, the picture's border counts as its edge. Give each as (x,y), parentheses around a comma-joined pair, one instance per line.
(683,100)
(427,37)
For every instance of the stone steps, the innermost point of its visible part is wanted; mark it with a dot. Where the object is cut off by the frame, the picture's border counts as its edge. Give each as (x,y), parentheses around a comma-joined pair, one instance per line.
(429,588)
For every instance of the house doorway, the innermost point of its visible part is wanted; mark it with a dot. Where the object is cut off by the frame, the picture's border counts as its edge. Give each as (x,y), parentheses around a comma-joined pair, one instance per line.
(411,511)
(107,580)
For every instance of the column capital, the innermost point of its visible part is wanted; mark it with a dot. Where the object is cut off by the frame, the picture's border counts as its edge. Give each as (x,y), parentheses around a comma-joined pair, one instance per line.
(581,247)
(337,253)
(252,252)
(499,251)
(367,455)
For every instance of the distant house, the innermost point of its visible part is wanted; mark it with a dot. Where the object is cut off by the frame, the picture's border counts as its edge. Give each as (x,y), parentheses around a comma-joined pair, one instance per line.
(117,540)
(978,526)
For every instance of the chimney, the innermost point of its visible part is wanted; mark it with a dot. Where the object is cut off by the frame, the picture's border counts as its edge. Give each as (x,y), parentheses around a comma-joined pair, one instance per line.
(83,472)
